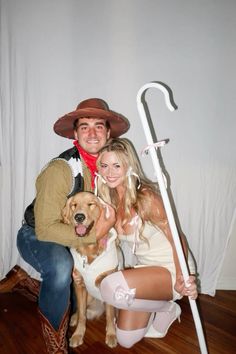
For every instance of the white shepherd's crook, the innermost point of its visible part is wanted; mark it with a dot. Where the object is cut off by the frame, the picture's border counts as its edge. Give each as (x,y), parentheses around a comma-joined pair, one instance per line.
(163,189)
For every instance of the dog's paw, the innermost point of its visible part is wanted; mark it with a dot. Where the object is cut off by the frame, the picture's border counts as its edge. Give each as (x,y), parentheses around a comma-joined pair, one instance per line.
(111,340)
(74,320)
(76,340)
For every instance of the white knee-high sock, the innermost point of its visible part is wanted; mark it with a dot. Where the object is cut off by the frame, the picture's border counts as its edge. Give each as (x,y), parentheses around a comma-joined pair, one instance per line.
(127,338)
(115,291)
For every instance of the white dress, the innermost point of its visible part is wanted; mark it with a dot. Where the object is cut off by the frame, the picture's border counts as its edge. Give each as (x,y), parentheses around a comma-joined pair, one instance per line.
(155,251)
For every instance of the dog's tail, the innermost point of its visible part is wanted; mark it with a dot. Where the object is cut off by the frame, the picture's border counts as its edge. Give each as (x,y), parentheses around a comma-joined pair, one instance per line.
(95,309)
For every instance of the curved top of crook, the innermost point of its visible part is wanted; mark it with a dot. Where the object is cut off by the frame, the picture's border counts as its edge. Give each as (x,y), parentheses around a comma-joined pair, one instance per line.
(162,87)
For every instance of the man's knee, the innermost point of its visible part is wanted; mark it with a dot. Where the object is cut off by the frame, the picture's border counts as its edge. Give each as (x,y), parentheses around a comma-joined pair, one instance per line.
(59,267)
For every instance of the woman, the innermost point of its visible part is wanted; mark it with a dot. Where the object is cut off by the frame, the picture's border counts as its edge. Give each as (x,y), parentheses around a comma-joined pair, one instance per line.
(145,293)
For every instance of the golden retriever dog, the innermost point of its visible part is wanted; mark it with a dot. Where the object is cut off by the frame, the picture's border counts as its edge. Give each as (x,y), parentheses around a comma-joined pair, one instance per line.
(92,262)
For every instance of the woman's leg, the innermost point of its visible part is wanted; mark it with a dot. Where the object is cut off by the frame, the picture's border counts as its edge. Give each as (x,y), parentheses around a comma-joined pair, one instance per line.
(151,283)
(132,327)
(146,289)
(54,262)
(138,289)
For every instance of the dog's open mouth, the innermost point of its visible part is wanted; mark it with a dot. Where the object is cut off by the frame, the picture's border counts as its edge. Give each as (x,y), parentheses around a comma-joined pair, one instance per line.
(83,230)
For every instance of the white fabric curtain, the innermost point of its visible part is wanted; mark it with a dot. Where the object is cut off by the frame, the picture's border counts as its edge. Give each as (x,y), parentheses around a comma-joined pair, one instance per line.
(56,53)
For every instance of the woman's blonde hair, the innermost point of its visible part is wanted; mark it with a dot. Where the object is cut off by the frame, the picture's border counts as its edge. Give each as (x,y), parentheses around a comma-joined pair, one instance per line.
(137,185)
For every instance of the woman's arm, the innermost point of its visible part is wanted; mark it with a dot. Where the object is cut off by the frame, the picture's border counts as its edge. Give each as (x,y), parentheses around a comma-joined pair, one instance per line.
(157,216)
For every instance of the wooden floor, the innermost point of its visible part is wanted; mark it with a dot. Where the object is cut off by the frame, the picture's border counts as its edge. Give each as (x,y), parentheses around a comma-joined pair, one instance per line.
(20,331)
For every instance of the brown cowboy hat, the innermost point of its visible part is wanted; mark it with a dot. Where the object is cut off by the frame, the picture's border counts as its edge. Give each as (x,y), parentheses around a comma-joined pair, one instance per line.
(92,108)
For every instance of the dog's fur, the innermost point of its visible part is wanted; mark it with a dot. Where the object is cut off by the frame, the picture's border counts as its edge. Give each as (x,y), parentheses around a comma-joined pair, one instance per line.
(83,210)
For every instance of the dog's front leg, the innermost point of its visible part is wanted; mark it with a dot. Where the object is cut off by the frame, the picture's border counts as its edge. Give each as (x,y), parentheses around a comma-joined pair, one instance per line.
(111,340)
(81,297)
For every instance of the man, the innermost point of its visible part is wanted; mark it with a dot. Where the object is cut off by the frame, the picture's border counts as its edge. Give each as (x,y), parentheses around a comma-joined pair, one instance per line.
(43,239)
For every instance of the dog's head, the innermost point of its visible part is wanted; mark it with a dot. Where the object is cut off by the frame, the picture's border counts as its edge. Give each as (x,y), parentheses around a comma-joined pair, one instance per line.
(82,210)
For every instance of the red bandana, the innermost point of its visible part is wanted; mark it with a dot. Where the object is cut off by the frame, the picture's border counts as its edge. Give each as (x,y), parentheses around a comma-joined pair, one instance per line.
(90,160)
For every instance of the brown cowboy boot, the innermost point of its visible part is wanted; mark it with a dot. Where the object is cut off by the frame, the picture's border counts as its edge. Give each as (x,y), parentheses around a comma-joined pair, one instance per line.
(55,341)
(18,280)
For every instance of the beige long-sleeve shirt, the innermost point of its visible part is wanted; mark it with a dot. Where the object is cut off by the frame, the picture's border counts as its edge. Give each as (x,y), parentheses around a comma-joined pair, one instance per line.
(52,187)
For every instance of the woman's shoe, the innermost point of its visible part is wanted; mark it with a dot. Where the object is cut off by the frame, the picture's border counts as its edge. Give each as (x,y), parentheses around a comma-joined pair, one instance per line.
(162,321)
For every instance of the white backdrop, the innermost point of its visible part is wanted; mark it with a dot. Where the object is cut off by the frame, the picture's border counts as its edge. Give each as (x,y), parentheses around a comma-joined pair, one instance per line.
(55,53)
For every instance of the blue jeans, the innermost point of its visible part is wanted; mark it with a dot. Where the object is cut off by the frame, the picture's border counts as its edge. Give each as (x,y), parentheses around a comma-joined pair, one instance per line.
(55,263)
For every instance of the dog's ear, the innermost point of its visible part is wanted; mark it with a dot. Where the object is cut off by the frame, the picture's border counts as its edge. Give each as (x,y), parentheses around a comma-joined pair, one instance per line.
(66,212)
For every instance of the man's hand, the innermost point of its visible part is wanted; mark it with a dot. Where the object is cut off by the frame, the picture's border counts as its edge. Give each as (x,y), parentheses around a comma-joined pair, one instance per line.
(106,221)
(190,289)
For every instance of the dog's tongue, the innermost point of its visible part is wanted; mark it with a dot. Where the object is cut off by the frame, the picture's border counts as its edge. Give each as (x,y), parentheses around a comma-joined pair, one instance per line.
(80,230)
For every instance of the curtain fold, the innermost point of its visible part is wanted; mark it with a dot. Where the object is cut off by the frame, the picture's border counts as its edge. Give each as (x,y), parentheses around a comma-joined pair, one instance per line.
(53,54)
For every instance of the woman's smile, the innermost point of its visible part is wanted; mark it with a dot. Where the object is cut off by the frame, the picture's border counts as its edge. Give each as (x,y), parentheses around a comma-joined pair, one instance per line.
(112,170)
